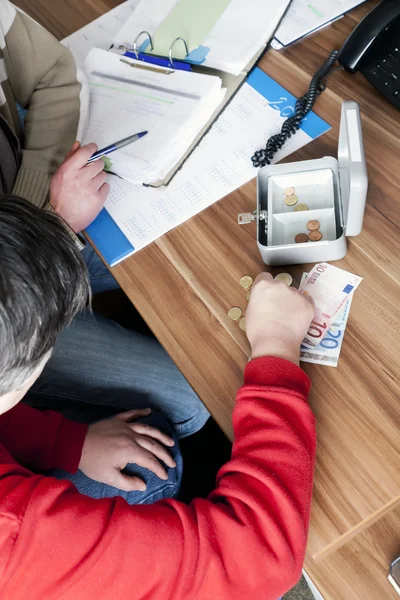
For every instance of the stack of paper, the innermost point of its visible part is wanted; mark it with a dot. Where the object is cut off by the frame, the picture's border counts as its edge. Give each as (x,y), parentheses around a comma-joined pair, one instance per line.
(172,106)
(238,35)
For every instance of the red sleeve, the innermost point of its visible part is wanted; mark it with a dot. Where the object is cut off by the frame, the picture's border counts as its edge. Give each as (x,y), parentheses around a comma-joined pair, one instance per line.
(246,541)
(42,440)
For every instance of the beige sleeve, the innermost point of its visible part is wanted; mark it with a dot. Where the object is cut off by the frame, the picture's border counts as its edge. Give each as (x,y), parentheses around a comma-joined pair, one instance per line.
(43,76)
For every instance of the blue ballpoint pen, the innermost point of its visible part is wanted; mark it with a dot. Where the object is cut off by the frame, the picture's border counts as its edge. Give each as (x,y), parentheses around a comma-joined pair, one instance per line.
(116,146)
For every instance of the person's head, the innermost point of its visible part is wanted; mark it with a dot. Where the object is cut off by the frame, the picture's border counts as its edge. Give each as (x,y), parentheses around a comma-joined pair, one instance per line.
(43,285)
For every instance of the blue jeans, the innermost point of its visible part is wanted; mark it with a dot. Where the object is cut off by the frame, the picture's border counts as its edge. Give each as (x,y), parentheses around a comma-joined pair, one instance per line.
(156,488)
(98,363)
(101,279)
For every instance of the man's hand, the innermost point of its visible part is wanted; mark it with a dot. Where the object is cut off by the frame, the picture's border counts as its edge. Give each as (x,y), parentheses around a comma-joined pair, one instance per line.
(79,190)
(111,444)
(277,319)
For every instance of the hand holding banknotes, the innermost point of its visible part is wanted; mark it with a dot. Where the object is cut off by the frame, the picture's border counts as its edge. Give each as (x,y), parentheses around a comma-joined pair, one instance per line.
(277,319)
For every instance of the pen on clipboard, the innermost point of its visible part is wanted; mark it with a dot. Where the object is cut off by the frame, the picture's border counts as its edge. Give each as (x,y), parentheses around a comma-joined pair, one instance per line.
(148,67)
(117,146)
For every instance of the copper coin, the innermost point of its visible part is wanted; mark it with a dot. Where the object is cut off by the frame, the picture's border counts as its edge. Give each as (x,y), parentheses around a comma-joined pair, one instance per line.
(314,236)
(301,238)
(288,191)
(313,225)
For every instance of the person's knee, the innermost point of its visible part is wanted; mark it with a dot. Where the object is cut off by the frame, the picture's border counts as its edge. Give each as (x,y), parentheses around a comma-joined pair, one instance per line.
(157,488)
(195,421)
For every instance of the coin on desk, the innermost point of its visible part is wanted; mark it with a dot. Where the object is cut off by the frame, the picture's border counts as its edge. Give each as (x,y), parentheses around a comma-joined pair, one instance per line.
(301,238)
(291,200)
(289,191)
(235,313)
(315,236)
(248,296)
(246,281)
(285,277)
(300,207)
(242,324)
(313,225)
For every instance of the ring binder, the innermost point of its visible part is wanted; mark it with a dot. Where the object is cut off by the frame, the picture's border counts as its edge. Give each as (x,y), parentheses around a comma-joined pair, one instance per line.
(139,35)
(171,47)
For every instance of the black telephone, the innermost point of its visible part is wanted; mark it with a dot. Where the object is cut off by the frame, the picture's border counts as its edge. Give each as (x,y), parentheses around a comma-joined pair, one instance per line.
(374,49)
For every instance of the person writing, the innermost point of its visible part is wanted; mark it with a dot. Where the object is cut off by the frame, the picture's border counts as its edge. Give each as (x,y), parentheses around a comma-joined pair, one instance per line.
(246,540)
(40,76)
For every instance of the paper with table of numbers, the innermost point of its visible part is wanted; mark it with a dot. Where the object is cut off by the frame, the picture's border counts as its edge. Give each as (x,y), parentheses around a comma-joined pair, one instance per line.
(220,164)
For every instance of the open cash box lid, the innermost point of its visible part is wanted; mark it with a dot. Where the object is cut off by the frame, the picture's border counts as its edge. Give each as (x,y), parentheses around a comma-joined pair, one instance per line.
(352,168)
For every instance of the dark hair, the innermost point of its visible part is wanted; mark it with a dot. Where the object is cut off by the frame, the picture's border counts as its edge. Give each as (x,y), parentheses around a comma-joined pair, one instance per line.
(43,284)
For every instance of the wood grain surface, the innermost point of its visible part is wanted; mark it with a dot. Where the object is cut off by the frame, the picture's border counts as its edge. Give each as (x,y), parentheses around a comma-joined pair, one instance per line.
(359,570)
(184,284)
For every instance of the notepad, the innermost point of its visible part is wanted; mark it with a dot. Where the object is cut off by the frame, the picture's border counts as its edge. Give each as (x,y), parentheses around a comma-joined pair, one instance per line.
(172,107)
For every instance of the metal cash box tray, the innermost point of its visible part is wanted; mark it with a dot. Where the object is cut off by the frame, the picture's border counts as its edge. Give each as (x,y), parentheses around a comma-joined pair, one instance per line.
(334,190)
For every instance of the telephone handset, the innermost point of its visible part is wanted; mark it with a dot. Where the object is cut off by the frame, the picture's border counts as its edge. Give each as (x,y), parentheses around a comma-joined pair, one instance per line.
(374,49)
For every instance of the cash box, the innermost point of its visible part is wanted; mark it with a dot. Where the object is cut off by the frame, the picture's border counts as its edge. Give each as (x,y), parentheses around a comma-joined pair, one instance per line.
(331,194)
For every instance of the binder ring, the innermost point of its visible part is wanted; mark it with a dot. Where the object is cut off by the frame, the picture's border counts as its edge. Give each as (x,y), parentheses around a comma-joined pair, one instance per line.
(139,35)
(171,47)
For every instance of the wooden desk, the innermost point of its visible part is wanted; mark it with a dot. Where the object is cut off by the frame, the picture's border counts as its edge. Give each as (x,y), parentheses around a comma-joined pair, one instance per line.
(184,284)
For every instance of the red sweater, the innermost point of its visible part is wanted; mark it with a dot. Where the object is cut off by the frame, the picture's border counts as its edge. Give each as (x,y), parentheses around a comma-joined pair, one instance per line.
(246,540)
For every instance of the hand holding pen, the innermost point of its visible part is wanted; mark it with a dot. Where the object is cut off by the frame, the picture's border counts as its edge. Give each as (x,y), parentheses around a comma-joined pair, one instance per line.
(78,189)
(117,146)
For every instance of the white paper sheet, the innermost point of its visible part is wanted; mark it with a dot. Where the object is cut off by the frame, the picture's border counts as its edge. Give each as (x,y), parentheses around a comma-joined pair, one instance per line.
(99,33)
(146,17)
(218,166)
(243,29)
(305,16)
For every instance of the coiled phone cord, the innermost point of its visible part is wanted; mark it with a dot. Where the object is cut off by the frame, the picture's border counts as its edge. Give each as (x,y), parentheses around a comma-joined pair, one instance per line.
(292,124)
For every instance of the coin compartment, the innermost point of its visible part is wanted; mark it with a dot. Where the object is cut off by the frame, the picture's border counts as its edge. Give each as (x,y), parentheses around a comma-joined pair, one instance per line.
(283,227)
(314,188)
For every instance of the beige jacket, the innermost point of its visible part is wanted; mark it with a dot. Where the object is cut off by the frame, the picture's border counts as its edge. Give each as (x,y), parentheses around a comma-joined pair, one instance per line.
(39,74)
